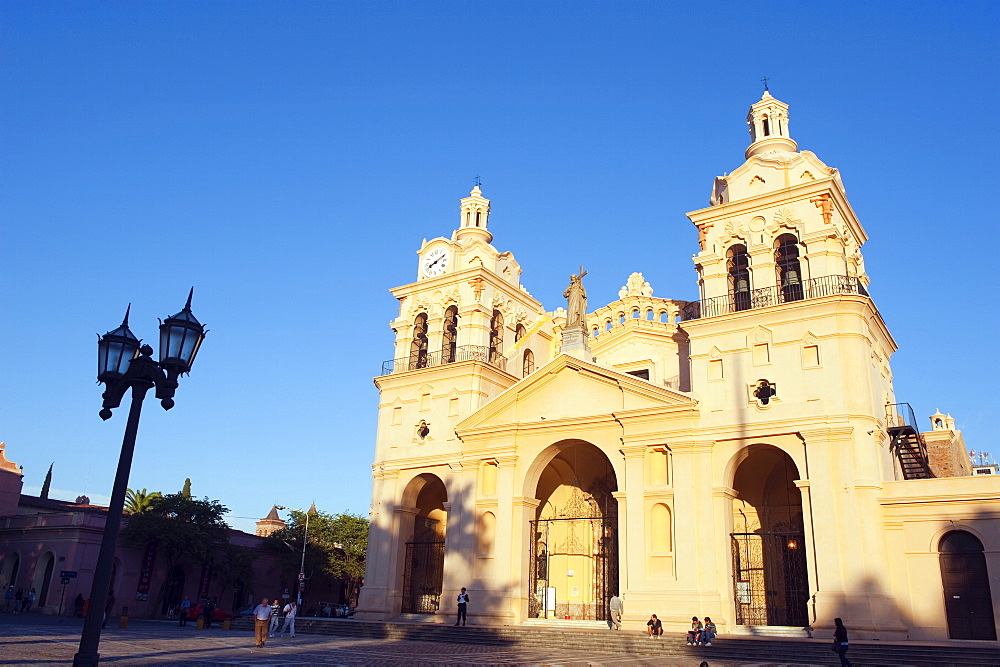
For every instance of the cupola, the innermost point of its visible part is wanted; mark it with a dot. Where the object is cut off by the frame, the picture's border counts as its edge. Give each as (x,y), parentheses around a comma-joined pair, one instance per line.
(768,121)
(475,214)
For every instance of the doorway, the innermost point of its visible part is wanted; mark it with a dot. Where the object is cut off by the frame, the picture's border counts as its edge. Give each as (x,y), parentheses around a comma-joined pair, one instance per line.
(966,582)
(573,567)
(770,571)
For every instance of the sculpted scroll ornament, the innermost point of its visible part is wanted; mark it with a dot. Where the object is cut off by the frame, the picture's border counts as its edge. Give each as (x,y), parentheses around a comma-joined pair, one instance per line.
(784,217)
(635,286)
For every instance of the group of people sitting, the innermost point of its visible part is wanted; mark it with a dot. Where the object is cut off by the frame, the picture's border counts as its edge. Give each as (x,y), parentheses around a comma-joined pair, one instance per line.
(700,634)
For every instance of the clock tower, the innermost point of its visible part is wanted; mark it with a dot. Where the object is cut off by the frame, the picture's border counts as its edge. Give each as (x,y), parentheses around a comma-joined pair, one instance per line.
(466,331)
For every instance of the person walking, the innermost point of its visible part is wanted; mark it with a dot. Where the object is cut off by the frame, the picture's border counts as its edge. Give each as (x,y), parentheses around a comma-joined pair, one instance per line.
(19,600)
(617,608)
(275,617)
(30,600)
(840,643)
(654,627)
(290,611)
(463,607)
(78,605)
(8,598)
(185,610)
(261,614)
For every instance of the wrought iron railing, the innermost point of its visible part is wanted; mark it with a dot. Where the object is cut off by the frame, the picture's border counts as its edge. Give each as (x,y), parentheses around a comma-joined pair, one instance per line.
(425,359)
(773,295)
(901,424)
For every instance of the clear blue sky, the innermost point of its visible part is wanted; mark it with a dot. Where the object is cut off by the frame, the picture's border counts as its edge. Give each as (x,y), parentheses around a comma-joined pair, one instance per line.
(286,159)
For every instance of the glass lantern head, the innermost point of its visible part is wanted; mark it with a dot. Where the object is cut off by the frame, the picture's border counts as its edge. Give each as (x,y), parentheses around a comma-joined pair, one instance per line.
(180,339)
(115,350)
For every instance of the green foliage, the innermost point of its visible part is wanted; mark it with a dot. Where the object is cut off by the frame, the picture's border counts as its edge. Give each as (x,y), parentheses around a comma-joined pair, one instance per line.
(186,491)
(140,501)
(337,546)
(180,526)
(44,493)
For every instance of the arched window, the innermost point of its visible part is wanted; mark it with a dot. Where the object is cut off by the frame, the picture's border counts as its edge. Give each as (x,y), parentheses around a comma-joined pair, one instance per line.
(966,583)
(529,363)
(496,336)
(418,348)
(596,332)
(621,318)
(786,264)
(739,276)
(487,533)
(449,342)
(519,332)
(649,315)
(635,313)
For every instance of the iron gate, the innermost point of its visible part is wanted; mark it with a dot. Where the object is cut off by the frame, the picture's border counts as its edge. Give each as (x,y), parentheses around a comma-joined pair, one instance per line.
(770,578)
(603,546)
(423,577)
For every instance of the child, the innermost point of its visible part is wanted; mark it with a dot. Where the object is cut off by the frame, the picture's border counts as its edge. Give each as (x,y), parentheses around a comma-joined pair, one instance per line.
(708,632)
(695,631)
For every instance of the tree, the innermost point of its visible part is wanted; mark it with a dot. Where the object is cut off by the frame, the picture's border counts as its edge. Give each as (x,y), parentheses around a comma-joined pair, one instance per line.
(337,546)
(137,502)
(44,493)
(180,527)
(186,491)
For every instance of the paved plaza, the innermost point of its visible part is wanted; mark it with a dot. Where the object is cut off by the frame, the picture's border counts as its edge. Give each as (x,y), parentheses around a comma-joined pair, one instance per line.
(39,640)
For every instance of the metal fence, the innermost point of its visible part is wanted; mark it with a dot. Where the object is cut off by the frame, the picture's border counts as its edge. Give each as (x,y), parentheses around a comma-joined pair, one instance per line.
(773,295)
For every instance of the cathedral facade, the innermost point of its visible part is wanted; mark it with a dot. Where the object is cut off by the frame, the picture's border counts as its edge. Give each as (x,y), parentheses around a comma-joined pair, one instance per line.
(742,456)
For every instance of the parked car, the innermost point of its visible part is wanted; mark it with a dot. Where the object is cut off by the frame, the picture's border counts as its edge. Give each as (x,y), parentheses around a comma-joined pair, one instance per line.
(218,615)
(245,610)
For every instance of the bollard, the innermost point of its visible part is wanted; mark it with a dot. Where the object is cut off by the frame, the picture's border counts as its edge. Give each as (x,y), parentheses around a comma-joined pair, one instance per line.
(201,622)
(227,624)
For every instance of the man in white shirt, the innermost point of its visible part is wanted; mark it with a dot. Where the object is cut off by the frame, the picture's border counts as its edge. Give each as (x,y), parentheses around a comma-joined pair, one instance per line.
(289,610)
(261,615)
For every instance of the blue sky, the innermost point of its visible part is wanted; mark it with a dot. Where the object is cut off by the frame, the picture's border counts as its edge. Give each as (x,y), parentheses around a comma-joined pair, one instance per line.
(286,159)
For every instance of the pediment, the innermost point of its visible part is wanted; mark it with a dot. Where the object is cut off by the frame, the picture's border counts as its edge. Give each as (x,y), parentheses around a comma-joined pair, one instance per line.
(568,388)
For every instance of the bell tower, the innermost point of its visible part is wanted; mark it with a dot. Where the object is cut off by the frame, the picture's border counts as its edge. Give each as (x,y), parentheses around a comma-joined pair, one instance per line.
(475,215)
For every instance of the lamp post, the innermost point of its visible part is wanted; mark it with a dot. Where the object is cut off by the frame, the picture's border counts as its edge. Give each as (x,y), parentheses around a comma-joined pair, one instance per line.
(124,362)
(305,538)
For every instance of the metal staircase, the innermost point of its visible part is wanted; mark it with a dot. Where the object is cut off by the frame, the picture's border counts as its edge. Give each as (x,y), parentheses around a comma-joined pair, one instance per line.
(905,441)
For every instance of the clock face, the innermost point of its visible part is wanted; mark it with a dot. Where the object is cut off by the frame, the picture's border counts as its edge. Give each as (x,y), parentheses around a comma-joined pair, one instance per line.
(434,262)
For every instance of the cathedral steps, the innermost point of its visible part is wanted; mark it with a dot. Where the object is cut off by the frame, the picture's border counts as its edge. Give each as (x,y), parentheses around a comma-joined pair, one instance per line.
(736,648)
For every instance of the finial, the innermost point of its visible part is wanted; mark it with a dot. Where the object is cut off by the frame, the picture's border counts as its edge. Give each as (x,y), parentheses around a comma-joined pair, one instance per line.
(187,306)
(766,90)
(127,311)
(479,182)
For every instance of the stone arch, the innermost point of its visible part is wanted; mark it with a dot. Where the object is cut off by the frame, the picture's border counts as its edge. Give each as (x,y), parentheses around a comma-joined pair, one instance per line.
(573,538)
(41,578)
(423,528)
(770,569)
(11,568)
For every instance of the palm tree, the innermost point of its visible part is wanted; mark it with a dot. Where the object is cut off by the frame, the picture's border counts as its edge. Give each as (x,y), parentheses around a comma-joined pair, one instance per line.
(137,502)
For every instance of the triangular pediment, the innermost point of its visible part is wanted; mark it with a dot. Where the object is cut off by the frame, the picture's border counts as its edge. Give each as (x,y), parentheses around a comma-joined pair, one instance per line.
(568,388)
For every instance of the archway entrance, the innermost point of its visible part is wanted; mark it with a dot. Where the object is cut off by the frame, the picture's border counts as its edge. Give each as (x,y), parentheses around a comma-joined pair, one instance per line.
(770,578)
(966,582)
(423,569)
(574,539)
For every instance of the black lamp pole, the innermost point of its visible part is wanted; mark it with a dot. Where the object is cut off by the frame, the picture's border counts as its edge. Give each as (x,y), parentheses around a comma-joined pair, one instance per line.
(123,362)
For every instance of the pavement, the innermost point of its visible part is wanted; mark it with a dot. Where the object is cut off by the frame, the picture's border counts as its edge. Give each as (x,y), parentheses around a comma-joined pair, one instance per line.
(46,640)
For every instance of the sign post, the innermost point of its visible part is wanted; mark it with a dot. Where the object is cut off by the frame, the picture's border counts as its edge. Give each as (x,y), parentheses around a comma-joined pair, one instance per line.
(64,578)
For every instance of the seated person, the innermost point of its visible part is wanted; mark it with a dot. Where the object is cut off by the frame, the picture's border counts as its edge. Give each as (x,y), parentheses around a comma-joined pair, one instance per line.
(654,627)
(694,634)
(708,631)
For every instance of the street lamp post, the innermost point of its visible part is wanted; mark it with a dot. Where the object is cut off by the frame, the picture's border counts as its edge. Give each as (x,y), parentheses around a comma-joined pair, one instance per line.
(302,563)
(124,362)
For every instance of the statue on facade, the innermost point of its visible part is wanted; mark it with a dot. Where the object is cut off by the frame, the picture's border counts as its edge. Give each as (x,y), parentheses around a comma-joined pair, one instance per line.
(576,308)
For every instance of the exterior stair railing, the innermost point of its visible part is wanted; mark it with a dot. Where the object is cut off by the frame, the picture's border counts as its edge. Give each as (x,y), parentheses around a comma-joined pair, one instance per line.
(905,441)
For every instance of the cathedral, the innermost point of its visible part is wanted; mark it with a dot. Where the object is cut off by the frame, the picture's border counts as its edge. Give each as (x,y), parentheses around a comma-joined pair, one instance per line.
(742,456)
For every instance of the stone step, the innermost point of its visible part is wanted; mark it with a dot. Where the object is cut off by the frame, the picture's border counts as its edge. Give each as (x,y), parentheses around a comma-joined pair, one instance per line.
(739,648)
